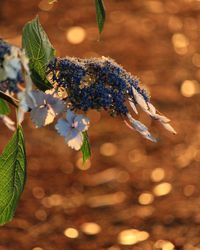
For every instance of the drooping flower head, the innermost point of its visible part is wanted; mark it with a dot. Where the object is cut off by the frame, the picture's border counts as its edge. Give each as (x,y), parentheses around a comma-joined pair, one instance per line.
(101,83)
(95,83)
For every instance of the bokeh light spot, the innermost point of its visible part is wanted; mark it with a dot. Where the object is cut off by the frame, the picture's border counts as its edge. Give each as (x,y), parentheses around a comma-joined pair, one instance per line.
(180,40)
(90,228)
(83,165)
(71,233)
(108,149)
(196,59)
(75,35)
(146,198)
(38,192)
(180,43)
(189,88)
(162,189)
(164,245)
(41,214)
(132,236)
(189,190)
(158,174)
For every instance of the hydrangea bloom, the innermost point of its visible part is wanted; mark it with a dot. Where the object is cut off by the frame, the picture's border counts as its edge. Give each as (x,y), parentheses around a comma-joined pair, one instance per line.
(71,128)
(14,69)
(10,67)
(103,84)
(95,83)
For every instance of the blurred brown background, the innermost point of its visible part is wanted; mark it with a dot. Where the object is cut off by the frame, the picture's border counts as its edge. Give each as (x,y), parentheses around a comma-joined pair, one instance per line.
(133,194)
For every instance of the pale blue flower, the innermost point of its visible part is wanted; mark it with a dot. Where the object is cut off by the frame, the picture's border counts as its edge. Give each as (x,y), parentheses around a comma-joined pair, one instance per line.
(72,127)
(44,107)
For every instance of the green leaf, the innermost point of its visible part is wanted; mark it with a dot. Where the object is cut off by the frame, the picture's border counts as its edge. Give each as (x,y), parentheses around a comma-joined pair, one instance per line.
(39,51)
(4,108)
(85,147)
(40,84)
(12,175)
(100,14)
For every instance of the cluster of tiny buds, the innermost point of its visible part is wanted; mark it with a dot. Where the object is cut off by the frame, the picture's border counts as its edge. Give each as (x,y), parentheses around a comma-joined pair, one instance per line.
(96,83)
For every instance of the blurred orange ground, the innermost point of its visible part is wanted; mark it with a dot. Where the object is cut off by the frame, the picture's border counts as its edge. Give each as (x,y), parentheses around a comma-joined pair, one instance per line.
(134,194)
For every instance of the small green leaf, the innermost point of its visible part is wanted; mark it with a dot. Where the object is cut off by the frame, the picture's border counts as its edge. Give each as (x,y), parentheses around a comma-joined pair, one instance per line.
(4,108)
(12,175)
(39,51)
(100,14)
(85,147)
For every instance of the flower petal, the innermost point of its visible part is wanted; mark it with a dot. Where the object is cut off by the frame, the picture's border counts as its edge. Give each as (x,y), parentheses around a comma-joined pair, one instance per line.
(63,127)
(168,127)
(39,97)
(72,134)
(70,115)
(50,117)
(133,106)
(140,99)
(56,104)
(141,128)
(83,122)
(38,116)
(77,142)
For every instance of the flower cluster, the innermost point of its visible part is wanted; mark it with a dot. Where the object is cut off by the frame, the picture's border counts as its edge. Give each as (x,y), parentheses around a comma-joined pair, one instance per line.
(14,70)
(95,83)
(103,84)
(10,67)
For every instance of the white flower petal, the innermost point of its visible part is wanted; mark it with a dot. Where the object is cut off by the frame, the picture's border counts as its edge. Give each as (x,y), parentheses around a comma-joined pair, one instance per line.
(133,106)
(140,99)
(141,128)
(168,127)
(151,110)
(50,117)
(76,142)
